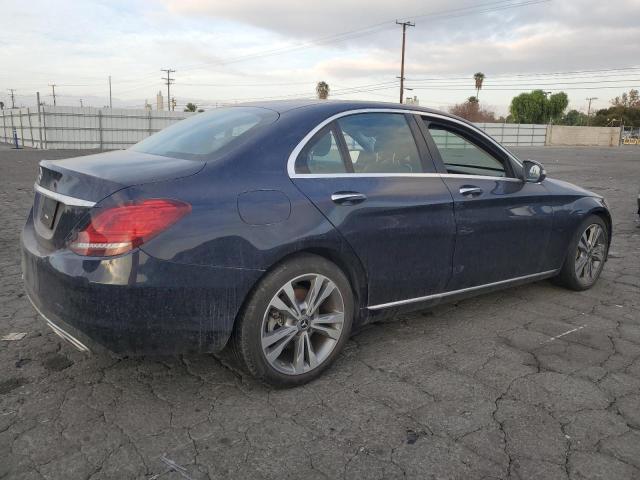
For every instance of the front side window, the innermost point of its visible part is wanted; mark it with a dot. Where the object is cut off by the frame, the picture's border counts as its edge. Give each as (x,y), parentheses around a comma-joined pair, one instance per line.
(380,143)
(206,134)
(460,156)
(321,155)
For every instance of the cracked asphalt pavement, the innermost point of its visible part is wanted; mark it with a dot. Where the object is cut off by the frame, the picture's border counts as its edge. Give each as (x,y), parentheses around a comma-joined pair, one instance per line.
(532,382)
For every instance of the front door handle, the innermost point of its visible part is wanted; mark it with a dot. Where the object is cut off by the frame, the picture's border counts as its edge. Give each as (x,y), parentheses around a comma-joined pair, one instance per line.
(470,191)
(348,198)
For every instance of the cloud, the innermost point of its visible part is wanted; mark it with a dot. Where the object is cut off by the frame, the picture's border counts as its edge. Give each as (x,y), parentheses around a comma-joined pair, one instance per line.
(228,46)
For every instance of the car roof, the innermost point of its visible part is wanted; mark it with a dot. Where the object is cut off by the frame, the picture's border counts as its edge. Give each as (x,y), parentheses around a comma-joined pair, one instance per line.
(337,106)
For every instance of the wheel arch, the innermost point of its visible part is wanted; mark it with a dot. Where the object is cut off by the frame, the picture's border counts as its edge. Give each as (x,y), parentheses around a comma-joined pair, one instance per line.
(347,262)
(604,214)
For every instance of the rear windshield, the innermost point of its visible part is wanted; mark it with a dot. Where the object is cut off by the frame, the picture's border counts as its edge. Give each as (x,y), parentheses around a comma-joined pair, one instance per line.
(207,134)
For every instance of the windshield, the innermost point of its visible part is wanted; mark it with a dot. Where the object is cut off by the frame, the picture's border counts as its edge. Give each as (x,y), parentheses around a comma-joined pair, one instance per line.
(206,134)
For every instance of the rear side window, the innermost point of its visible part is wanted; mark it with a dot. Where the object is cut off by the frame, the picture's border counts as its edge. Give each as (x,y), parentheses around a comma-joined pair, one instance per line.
(373,143)
(206,134)
(380,143)
(321,155)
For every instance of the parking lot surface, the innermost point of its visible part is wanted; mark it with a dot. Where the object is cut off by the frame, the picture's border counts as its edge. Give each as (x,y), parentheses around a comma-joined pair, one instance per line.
(532,382)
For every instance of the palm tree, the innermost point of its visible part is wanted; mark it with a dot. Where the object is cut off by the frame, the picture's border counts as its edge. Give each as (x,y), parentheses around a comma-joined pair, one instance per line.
(190,107)
(322,90)
(479,78)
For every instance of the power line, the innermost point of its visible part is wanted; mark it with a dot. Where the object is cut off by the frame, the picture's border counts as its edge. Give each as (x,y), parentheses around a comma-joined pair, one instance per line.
(13,98)
(53,90)
(169,81)
(444,14)
(404,38)
(580,73)
(540,84)
(590,99)
(524,88)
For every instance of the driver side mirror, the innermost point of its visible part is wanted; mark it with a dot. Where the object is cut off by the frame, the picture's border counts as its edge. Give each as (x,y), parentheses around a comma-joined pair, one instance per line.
(534,172)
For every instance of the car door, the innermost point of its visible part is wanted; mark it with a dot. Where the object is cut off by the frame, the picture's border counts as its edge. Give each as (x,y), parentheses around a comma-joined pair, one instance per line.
(378,187)
(503,223)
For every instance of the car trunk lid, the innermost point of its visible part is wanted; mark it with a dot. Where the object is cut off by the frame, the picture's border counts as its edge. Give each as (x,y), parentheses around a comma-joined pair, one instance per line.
(67,189)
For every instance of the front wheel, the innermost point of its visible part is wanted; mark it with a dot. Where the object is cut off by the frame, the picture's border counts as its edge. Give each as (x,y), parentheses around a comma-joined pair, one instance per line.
(296,322)
(586,255)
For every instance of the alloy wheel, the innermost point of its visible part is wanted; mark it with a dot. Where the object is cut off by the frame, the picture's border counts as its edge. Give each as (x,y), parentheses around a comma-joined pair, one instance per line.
(302,324)
(590,254)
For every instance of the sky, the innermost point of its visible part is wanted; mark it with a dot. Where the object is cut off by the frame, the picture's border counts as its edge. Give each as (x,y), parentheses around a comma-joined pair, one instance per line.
(241,50)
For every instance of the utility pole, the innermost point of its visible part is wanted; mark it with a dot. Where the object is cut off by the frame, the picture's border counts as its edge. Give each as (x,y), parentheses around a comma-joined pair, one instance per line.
(404,36)
(13,98)
(110,102)
(53,89)
(169,81)
(81,103)
(589,99)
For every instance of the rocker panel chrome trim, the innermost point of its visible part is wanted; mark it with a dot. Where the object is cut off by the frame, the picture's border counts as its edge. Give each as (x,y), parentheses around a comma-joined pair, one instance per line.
(436,296)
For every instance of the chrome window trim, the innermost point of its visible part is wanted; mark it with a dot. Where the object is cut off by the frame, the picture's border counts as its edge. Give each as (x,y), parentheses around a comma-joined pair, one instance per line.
(296,151)
(436,296)
(406,175)
(67,200)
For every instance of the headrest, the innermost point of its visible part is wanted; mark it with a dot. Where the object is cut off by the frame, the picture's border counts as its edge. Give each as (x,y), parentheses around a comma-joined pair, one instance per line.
(322,147)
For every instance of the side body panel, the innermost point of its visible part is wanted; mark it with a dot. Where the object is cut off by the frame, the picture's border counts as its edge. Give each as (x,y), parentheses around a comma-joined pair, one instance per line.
(403,232)
(502,233)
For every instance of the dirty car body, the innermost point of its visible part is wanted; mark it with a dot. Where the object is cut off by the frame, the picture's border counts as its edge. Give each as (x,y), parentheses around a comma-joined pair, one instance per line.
(224,197)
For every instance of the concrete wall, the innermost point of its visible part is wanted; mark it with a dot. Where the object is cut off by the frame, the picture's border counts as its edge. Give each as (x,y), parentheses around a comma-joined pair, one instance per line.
(558,135)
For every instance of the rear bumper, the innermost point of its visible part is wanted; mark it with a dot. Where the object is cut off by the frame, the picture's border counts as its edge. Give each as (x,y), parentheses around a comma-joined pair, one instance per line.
(135,303)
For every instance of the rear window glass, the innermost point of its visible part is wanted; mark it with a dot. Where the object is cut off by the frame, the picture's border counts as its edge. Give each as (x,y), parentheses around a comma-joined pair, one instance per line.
(206,134)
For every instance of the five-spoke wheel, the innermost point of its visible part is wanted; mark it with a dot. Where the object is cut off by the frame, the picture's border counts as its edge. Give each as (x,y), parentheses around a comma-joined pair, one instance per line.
(302,324)
(296,322)
(590,253)
(586,255)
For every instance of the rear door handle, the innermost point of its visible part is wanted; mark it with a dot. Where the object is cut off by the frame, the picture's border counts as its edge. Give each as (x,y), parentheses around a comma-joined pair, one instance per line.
(348,198)
(470,191)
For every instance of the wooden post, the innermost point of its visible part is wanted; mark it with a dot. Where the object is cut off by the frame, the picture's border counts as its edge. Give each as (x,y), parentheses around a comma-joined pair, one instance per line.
(100,127)
(12,125)
(44,127)
(4,128)
(21,129)
(39,120)
(33,141)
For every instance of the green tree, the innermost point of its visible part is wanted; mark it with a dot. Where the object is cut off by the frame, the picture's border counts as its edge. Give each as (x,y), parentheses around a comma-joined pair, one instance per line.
(479,78)
(536,107)
(322,90)
(190,107)
(574,117)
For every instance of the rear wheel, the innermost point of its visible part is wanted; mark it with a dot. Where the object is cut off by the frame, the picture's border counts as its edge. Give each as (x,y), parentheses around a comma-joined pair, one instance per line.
(586,255)
(296,322)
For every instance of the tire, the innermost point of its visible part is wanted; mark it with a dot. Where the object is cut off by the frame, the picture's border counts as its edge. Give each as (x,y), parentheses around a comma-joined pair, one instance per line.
(582,256)
(302,340)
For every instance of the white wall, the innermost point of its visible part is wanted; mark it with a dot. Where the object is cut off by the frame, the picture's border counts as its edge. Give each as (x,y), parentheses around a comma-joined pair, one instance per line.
(83,128)
(109,129)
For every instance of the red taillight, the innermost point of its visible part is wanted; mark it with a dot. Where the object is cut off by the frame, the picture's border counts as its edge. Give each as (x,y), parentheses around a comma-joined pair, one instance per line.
(120,229)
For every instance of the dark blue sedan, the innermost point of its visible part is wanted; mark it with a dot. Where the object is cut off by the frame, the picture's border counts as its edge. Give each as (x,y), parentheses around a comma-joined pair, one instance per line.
(280,228)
